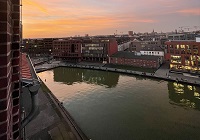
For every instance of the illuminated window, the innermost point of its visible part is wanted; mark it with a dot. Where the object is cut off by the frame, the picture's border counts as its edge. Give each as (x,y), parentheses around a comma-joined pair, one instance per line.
(182,46)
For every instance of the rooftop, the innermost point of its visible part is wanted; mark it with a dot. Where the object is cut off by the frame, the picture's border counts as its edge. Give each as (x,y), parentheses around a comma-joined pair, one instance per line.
(152,48)
(27,70)
(130,55)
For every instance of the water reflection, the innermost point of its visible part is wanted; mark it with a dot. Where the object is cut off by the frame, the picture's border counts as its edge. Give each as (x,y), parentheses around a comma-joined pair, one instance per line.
(135,107)
(179,94)
(73,75)
(184,95)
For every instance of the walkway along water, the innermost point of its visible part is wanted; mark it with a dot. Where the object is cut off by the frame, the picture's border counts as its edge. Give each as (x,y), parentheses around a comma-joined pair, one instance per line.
(176,77)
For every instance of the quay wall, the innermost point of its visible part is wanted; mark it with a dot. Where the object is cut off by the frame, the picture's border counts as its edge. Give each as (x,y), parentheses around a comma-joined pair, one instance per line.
(123,71)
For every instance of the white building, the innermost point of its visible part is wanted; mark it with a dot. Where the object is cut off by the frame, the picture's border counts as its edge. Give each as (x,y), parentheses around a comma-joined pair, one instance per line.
(124,46)
(153,50)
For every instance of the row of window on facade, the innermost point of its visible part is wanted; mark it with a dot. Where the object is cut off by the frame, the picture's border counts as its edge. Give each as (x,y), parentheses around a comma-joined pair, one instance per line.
(135,63)
(64,42)
(183,46)
(151,52)
(182,67)
(64,54)
(148,64)
(67,45)
(132,60)
(196,52)
(152,42)
(63,48)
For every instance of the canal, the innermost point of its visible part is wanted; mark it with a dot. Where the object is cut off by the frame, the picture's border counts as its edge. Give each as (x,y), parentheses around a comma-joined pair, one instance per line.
(113,106)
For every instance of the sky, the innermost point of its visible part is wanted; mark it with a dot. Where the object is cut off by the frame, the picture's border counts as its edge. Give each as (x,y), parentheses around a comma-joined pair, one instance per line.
(65,18)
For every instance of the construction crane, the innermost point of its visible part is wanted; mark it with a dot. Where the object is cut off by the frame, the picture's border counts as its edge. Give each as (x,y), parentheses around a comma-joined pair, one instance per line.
(181,28)
(196,27)
(188,28)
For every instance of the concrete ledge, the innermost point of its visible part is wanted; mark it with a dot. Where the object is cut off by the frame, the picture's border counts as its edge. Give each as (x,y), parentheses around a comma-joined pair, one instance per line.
(67,117)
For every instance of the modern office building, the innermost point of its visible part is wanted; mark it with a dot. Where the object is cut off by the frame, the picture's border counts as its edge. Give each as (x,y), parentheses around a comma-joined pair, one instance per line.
(98,49)
(184,55)
(182,36)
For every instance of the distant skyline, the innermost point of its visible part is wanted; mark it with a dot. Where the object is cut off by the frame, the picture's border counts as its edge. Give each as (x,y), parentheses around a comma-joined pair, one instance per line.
(63,18)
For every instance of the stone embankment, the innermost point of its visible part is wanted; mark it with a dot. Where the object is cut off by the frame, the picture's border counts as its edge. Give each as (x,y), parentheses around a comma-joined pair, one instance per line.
(163,76)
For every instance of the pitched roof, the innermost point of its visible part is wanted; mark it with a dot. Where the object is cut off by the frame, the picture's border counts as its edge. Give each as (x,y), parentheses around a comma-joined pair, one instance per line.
(25,68)
(130,55)
(152,48)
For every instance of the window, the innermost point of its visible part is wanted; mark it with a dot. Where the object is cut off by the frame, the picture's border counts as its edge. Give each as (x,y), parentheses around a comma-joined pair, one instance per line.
(182,46)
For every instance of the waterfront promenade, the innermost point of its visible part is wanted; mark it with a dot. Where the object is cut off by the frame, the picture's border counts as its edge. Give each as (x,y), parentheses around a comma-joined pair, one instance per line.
(162,73)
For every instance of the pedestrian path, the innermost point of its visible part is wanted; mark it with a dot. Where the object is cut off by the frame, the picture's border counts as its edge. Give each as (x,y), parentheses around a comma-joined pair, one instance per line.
(162,73)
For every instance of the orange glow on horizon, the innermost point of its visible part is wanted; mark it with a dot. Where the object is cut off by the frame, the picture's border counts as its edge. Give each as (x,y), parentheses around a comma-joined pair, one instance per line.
(62,18)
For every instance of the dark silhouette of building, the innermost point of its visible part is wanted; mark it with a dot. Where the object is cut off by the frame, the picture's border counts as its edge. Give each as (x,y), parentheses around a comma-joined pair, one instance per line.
(38,47)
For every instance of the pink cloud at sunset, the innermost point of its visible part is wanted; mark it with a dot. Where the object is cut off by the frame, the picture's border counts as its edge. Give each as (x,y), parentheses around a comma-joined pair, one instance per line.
(58,18)
(190,11)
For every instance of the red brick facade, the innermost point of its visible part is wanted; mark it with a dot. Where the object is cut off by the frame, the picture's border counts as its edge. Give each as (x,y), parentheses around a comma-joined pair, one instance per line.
(112,47)
(67,49)
(38,47)
(135,62)
(130,59)
(9,69)
(184,55)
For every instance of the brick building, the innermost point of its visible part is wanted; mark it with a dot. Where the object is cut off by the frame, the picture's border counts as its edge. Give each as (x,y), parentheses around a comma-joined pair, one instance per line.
(98,49)
(38,47)
(9,69)
(182,36)
(15,70)
(183,55)
(155,51)
(129,58)
(137,44)
(69,50)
